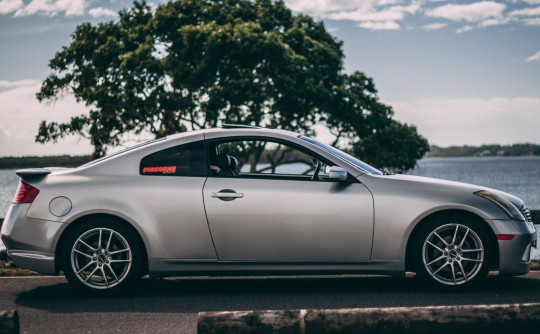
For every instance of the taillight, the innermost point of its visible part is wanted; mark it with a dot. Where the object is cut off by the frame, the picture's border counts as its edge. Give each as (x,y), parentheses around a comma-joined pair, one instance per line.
(25,193)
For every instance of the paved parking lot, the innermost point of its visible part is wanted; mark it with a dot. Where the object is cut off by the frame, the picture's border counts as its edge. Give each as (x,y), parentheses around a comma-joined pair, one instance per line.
(50,305)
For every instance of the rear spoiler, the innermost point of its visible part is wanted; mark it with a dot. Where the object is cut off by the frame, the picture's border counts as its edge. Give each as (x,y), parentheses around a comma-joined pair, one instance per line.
(33,173)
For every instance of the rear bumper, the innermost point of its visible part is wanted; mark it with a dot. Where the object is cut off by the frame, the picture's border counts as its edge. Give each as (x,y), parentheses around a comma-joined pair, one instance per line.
(40,262)
(31,242)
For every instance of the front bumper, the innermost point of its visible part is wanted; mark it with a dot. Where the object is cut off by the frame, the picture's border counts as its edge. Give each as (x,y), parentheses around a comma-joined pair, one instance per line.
(31,242)
(515,254)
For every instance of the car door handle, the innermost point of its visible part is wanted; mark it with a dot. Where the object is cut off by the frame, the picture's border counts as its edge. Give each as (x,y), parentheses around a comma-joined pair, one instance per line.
(227,195)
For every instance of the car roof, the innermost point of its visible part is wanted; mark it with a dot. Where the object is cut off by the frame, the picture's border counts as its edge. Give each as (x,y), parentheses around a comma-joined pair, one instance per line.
(234,130)
(250,131)
(164,142)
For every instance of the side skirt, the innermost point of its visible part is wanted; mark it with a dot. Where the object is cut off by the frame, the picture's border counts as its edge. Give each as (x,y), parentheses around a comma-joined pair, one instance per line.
(168,268)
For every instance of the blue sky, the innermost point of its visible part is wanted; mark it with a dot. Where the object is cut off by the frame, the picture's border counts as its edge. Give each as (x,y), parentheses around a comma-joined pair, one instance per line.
(464,72)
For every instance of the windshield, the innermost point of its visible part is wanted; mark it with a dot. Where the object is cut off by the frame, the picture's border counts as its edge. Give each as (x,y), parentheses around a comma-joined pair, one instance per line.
(347,157)
(121,151)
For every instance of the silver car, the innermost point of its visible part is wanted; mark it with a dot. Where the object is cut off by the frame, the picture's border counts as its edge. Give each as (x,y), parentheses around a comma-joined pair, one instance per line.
(246,200)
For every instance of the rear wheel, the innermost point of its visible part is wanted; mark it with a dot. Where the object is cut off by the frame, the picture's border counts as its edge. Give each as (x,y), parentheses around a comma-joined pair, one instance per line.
(102,257)
(452,254)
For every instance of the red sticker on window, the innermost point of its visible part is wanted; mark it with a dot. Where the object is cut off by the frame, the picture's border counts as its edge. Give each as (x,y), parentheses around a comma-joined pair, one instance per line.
(160,169)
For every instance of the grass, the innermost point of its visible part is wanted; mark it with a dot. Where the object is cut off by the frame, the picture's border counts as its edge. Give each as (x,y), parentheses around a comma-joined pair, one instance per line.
(14,272)
(535,265)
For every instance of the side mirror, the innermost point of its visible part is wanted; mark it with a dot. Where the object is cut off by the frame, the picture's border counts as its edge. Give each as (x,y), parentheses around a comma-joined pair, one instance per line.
(337,173)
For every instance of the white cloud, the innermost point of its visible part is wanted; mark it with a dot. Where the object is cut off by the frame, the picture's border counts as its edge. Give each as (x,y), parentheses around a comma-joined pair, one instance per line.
(20,115)
(464,29)
(393,14)
(386,25)
(533,11)
(18,83)
(473,121)
(10,6)
(434,26)
(494,22)
(371,14)
(102,12)
(534,57)
(321,8)
(473,12)
(53,7)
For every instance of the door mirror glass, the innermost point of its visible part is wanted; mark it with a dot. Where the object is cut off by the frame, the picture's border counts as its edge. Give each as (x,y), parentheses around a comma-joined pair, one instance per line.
(337,173)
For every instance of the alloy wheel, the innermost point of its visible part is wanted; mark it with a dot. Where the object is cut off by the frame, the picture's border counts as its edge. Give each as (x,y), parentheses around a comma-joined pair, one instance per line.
(101,258)
(453,254)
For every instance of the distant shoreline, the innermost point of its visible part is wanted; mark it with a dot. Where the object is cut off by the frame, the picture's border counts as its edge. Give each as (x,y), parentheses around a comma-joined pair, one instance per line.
(492,150)
(78,160)
(479,157)
(43,161)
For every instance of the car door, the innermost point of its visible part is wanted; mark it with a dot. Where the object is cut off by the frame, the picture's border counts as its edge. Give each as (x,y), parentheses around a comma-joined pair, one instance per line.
(286,216)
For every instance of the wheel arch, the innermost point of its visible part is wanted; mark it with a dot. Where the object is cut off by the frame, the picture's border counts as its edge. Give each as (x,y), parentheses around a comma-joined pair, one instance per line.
(89,217)
(445,214)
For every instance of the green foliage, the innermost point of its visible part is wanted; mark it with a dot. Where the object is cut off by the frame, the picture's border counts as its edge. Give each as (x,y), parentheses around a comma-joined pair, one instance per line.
(396,146)
(195,64)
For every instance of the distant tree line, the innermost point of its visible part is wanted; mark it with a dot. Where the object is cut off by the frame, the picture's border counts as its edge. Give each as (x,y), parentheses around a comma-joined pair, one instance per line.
(525,149)
(50,161)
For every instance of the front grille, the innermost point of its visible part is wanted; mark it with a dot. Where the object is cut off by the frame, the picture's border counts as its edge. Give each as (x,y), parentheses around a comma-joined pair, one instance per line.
(526,213)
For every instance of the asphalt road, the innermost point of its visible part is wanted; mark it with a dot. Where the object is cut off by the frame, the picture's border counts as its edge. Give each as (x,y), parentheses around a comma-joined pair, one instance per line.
(50,305)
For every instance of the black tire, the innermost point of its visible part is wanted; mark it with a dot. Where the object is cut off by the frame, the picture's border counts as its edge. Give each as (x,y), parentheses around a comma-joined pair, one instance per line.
(452,253)
(102,257)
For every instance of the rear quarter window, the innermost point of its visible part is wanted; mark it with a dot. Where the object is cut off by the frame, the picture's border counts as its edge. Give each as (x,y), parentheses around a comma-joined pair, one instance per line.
(182,160)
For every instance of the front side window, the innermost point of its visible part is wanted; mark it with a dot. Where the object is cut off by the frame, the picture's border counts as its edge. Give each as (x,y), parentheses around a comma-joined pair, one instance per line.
(263,158)
(347,157)
(183,160)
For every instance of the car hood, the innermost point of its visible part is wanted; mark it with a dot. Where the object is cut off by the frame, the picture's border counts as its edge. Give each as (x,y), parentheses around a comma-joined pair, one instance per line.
(518,202)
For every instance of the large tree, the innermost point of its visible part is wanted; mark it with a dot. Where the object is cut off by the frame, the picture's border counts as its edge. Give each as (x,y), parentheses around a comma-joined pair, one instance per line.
(194,64)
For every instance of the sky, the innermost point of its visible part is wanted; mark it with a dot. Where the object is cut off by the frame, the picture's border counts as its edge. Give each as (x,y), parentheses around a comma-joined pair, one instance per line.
(463,72)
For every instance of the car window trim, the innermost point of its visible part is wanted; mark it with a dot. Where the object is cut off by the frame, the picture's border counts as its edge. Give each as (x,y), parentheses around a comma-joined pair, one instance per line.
(305,150)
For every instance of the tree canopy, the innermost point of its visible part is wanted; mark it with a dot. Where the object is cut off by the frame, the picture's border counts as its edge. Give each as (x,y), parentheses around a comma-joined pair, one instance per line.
(194,64)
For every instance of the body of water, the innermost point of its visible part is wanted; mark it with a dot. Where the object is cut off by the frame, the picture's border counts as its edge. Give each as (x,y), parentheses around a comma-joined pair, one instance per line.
(8,186)
(519,176)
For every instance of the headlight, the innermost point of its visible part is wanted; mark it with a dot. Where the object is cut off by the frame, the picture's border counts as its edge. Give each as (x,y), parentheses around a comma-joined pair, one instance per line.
(503,203)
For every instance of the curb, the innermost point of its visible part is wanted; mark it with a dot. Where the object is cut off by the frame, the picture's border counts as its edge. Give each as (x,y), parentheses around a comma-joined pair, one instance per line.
(504,319)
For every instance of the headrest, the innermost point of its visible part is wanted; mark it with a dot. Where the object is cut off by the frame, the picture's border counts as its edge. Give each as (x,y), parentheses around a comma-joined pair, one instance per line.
(234,163)
(223,161)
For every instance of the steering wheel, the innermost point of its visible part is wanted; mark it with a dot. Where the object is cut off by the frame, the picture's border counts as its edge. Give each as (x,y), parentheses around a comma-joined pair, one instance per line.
(315,176)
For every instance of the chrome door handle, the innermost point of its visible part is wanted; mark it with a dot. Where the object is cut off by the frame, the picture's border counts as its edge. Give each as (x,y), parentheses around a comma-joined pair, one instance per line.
(227,195)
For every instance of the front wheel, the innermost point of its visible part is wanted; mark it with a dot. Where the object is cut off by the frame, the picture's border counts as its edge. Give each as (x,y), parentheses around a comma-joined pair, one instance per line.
(452,255)
(102,257)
